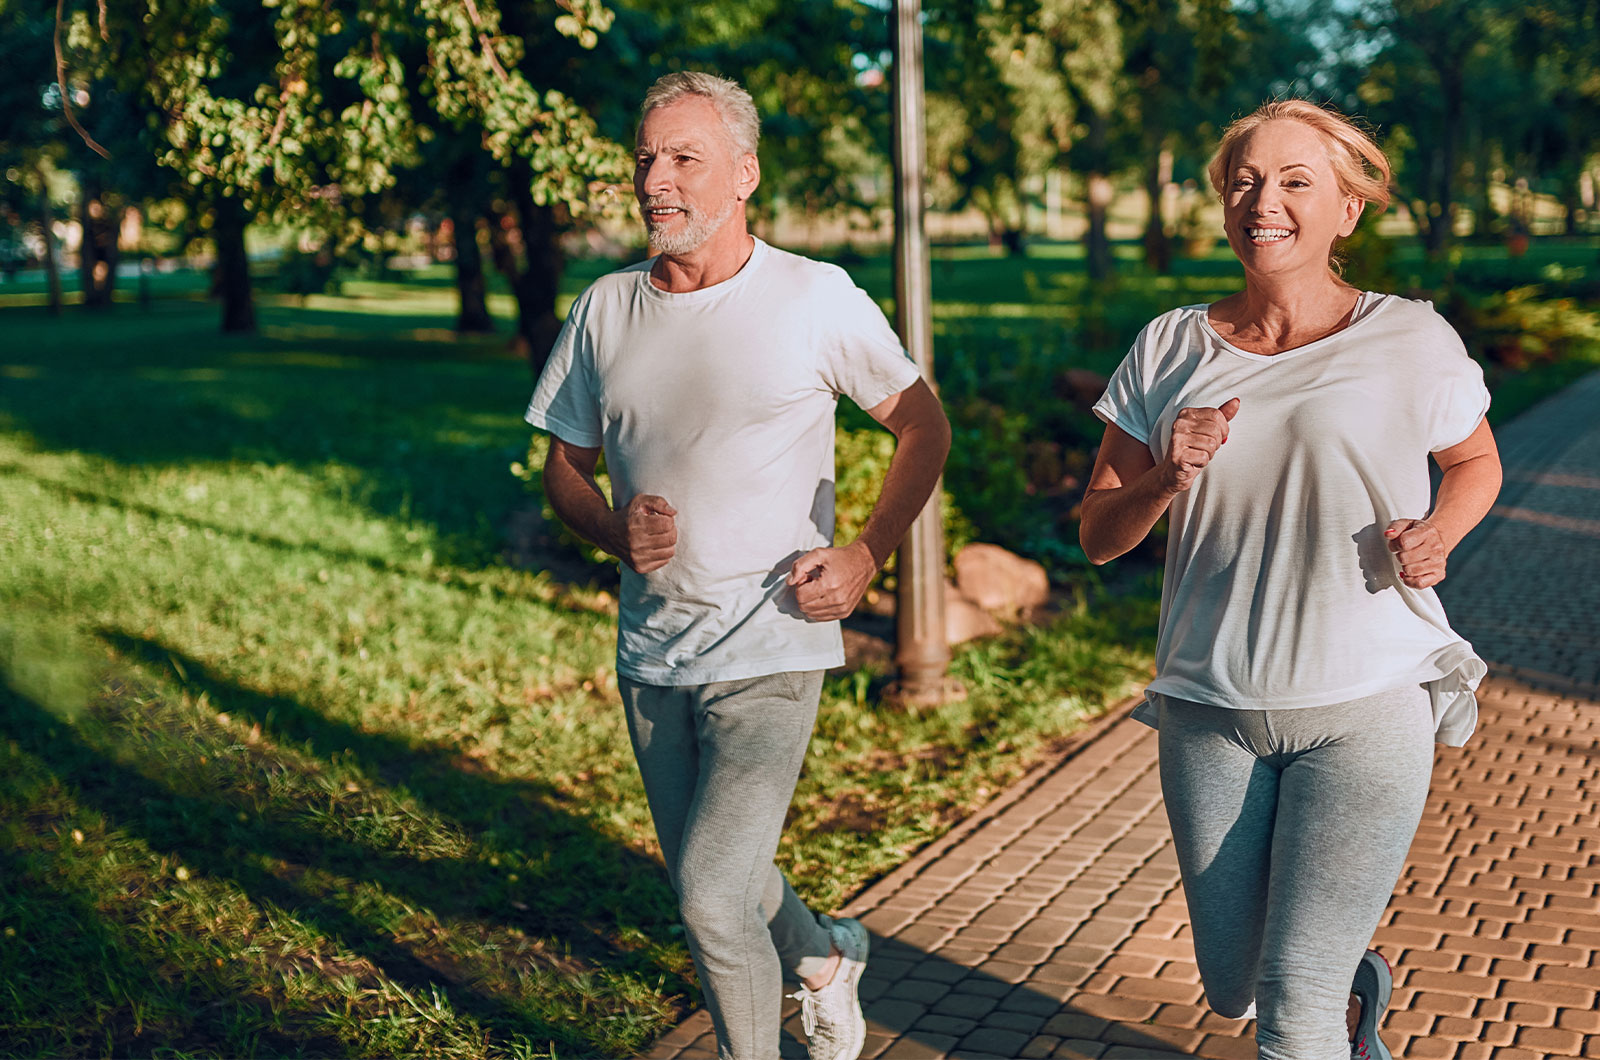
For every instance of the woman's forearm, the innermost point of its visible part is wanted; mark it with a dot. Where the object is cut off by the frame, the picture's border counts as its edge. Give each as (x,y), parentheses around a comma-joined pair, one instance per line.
(1115,520)
(1466,493)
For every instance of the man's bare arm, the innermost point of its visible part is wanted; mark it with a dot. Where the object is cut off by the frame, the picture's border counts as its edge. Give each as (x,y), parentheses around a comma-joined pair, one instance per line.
(829,582)
(643,535)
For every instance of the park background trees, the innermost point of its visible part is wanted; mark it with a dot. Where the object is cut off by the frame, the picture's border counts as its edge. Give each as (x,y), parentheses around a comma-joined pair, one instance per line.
(329,130)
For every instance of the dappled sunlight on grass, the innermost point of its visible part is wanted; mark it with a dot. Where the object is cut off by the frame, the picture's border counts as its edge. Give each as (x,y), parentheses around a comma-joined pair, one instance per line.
(292,761)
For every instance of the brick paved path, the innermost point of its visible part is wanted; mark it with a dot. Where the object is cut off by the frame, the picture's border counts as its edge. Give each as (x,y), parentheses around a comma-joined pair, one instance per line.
(1052,924)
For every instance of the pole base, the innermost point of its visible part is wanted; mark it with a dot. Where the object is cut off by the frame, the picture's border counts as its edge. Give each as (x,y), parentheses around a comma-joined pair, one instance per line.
(902,694)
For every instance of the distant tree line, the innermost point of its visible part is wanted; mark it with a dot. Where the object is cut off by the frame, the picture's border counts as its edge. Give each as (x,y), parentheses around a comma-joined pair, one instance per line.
(511,118)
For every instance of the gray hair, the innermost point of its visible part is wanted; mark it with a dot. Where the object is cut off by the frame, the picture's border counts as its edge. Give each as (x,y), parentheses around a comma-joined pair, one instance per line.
(733,103)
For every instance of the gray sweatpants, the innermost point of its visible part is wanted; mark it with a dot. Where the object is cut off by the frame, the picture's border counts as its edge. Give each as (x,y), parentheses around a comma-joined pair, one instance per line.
(1291,828)
(720,762)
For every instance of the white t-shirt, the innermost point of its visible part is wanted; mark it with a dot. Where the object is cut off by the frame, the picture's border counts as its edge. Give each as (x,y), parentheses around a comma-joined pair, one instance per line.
(722,401)
(1280,589)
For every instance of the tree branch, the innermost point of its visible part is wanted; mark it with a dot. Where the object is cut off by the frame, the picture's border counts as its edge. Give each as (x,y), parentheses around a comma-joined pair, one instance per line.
(488,48)
(61,83)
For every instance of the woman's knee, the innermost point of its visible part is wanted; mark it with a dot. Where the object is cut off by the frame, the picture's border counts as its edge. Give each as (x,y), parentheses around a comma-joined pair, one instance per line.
(1230,996)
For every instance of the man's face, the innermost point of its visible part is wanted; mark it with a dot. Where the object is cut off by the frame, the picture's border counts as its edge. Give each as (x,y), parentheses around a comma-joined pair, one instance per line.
(687,175)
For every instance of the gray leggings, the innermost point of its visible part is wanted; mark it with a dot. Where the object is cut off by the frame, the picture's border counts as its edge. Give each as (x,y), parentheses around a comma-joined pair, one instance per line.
(720,762)
(1291,828)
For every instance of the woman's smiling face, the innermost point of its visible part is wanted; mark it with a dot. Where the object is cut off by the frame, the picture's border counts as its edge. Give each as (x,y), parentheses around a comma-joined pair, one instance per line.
(1282,204)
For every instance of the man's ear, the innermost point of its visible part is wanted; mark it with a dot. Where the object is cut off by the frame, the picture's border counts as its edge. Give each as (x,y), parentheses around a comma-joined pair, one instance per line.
(749,177)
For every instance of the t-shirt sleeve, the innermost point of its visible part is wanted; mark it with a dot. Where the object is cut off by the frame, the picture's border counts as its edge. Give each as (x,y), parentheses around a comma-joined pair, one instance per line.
(565,401)
(1125,404)
(1459,398)
(861,356)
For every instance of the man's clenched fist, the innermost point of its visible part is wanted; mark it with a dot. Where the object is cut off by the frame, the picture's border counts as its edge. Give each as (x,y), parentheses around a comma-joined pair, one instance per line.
(644,533)
(828,582)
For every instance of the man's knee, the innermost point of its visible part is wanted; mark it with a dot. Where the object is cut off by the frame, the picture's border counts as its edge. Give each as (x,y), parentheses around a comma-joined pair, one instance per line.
(715,913)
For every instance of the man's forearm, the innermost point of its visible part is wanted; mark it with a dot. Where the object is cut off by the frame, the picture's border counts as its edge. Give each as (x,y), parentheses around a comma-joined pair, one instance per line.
(579,503)
(913,473)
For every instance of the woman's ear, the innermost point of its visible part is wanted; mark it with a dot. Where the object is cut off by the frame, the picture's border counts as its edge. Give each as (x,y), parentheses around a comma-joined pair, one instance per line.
(1352,215)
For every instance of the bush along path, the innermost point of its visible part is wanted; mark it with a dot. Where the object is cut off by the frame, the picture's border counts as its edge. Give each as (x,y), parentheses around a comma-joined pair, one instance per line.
(1052,924)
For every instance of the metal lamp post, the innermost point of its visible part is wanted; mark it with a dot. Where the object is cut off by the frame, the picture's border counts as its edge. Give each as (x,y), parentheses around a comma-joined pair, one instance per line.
(922,654)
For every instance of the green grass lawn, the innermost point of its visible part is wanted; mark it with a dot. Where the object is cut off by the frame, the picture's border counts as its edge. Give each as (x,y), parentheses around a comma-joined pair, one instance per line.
(293,762)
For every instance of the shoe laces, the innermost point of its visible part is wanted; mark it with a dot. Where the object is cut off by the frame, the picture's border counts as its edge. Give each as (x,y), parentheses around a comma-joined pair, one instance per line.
(1358,1049)
(808,1009)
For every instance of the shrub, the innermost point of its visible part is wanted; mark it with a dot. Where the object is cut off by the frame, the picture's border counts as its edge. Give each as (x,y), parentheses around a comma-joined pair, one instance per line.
(1520,327)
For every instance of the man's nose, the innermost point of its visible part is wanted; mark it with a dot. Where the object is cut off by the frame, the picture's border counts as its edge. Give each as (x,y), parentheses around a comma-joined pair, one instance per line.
(657,177)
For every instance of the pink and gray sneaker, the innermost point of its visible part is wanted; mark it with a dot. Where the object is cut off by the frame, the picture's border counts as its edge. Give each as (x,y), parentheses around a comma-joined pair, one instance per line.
(1372,987)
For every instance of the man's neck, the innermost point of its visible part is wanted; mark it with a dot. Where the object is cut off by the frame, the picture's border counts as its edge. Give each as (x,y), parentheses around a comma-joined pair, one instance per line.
(717,259)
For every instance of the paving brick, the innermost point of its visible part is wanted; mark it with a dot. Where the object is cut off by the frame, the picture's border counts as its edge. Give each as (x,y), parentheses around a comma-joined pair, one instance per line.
(1548,993)
(1217,1047)
(922,991)
(1039,1047)
(939,1023)
(919,1047)
(1584,1021)
(1075,1026)
(993,1040)
(1553,1041)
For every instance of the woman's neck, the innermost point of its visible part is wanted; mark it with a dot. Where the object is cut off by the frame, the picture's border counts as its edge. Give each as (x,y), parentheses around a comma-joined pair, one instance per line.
(1271,316)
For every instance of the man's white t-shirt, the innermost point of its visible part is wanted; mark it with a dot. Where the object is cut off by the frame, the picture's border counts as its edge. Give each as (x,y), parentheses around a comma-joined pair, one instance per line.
(1280,588)
(721,401)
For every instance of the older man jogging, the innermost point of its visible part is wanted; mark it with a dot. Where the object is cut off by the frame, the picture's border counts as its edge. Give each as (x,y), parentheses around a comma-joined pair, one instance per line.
(709,375)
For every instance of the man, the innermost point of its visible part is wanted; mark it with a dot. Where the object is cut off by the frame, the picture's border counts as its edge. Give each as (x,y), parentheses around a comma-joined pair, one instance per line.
(709,376)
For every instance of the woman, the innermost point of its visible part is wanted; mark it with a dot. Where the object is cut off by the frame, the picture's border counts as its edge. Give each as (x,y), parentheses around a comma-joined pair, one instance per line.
(1304,664)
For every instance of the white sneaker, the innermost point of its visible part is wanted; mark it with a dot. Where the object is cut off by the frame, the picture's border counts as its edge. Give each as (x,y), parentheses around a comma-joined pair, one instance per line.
(835,1028)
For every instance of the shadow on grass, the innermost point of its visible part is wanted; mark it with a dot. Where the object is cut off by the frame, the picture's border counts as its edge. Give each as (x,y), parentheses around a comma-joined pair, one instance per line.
(565,569)
(589,892)
(81,979)
(429,430)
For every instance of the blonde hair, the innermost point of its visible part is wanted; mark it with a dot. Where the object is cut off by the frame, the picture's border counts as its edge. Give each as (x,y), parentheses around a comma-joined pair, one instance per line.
(733,103)
(1359,164)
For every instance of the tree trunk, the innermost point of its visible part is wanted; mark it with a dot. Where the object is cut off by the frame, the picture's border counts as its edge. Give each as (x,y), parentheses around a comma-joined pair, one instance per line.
(471,285)
(1441,228)
(52,258)
(1157,247)
(102,222)
(1572,187)
(1483,218)
(231,280)
(1096,243)
(539,283)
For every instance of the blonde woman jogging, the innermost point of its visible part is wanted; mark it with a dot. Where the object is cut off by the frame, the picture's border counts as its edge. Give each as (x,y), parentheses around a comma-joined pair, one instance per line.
(1304,666)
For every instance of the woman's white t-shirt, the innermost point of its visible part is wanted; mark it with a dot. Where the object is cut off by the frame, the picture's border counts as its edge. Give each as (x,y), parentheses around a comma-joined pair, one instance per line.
(1280,588)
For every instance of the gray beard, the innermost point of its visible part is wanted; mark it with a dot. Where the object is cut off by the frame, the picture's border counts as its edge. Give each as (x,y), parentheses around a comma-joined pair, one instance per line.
(697,228)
